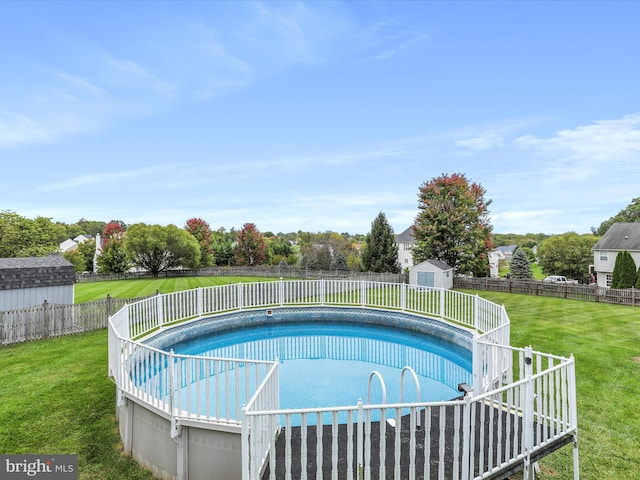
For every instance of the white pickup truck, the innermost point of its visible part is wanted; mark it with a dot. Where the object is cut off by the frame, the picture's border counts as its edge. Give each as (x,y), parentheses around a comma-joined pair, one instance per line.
(559,279)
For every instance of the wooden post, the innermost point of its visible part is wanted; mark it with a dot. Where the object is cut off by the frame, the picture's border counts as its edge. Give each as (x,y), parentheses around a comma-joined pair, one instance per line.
(45,320)
(108,305)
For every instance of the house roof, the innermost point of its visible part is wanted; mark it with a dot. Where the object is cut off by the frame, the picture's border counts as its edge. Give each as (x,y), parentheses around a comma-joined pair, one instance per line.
(406,236)
(507,249)
(620,236)
(68,245)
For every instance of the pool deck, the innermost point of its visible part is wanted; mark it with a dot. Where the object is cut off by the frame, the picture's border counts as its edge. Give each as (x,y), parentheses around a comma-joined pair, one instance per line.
(296,469)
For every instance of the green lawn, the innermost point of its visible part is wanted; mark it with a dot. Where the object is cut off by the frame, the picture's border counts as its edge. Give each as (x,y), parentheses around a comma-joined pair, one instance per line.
(605,341)
(90,291)
(55,396)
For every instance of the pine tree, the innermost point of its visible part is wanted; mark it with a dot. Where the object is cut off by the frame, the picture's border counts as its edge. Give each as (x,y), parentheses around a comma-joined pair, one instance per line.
(519,267)
(624,271)
(628,276)
(380,253)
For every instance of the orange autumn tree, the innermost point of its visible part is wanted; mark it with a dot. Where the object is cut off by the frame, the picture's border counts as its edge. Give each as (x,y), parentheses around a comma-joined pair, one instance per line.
(453,224)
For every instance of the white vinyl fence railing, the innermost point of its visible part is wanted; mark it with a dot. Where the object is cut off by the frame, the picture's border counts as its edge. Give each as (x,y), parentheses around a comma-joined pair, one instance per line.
(504,422)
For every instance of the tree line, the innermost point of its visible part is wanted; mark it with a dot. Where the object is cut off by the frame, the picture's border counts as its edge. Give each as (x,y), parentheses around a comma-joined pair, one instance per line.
(452,224)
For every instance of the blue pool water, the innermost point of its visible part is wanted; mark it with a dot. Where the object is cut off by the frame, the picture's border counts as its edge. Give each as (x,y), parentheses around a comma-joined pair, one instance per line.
(326,364)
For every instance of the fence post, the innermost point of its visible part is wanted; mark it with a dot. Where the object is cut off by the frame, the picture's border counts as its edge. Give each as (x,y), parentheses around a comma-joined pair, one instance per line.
(442,303)
(45,320)
(360,439)
(199,301)
(477,365)
(239,294)
(107,305)
(475,312)
(281,292)
(527,414)
(159,311)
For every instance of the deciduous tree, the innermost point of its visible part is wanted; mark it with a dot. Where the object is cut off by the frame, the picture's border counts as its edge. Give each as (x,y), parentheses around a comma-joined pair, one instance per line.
(380,252)
(453,224)
(568,254)
(202,233)
(156,248)
(250,247)
(23,237)
(631,213)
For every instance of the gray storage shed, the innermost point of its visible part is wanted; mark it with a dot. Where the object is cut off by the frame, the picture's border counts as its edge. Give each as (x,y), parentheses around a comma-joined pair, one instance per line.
(431,273)
(29,281)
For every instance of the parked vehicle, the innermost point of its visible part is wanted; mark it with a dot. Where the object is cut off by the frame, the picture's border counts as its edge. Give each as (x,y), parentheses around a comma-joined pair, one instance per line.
(558,279)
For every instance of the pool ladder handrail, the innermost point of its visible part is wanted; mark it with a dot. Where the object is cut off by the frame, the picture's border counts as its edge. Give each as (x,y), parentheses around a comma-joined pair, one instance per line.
(406,368)
(384,387)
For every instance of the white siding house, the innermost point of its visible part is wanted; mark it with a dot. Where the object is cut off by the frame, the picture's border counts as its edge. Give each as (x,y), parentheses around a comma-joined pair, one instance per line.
(29,281)
(431,273)
(405,242)
(619,237)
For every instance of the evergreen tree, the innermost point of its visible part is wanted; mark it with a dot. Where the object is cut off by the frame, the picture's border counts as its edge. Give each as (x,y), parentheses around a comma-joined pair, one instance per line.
(617,271)
(339,262)
(380,253)
(624,271)
(519,267)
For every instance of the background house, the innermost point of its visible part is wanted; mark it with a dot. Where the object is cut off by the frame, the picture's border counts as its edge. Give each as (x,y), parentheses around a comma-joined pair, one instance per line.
(29,281)
(431,273)
(71,244)
(619,237)
(405,242)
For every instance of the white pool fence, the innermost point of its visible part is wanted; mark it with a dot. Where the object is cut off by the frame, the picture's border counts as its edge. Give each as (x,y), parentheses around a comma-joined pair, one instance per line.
(522,403)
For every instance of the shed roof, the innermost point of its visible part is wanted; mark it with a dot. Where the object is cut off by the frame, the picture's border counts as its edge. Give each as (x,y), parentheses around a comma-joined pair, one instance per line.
(436,263)
(29,272)
(620,236)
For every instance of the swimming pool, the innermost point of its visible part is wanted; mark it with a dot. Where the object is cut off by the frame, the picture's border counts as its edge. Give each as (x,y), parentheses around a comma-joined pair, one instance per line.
(325,364)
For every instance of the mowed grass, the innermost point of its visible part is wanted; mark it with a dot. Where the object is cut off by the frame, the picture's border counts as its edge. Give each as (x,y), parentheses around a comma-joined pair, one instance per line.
(90,291)
(605,342)
(55,396)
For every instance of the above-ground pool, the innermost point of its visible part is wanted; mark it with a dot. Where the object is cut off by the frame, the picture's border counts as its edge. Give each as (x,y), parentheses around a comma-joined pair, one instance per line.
(275,379)
(327,358)
(325,364)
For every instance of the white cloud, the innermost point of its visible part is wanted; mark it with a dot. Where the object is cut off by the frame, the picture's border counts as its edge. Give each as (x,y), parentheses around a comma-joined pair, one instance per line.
(486,141)
(104,178)
(602,148)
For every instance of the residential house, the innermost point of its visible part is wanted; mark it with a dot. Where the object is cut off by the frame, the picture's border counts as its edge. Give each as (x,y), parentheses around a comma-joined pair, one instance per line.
(619,237)
(71,244)
(502,254)
(405,242)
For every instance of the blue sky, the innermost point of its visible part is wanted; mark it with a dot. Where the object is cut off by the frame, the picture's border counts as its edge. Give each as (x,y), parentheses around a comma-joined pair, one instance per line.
(317,115)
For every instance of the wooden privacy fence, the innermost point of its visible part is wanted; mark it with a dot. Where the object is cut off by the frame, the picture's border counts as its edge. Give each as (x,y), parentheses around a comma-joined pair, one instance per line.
(591,293)
(267,271)
(53,320)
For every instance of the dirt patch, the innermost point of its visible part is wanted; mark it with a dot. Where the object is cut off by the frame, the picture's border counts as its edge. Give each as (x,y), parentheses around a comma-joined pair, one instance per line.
(636,359)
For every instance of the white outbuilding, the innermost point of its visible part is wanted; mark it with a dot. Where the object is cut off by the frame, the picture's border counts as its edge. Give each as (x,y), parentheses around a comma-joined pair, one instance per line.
(29,281)
(431,273)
